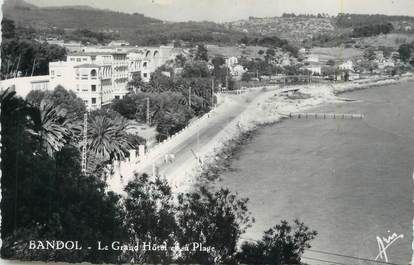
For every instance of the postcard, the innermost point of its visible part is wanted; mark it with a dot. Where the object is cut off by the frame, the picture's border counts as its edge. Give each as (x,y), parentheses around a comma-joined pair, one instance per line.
(207,132)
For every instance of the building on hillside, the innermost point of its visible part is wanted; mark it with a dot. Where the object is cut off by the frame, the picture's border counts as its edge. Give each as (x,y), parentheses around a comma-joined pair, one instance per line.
(100,74)
(312,59)
(231,61)
(117,43)
(237,71)
(23,85)
(386,63)
(302,50)
(97,78)
(55,41)
(314,68)
(348,65)
(73,46)
(379,56)
(145,60)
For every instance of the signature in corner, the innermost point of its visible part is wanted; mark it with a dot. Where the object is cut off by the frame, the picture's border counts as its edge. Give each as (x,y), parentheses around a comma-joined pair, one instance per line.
(384,243)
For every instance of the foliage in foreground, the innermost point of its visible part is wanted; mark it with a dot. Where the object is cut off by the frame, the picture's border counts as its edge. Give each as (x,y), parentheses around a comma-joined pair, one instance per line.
(281,244)
(46,197)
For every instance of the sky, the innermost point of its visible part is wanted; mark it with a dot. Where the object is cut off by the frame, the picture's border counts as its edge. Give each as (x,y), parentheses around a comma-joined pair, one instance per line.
(228,10)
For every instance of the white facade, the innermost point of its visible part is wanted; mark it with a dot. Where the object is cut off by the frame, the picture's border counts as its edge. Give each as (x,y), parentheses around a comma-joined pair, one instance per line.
(348,65)
(315,69)
(97,78)
(100,74)
(312,59)
(118,43)
(232,61)
(23,85)
(145,60)
(385,64)
(237,71)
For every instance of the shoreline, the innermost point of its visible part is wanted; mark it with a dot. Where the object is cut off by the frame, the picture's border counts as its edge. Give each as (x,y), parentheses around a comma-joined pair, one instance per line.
(267,113)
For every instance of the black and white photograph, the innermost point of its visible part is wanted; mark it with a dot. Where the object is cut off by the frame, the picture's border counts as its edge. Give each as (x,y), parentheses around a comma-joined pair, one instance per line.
(277,132)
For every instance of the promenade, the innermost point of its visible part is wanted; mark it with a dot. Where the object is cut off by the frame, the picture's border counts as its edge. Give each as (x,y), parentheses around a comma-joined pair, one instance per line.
(180,158)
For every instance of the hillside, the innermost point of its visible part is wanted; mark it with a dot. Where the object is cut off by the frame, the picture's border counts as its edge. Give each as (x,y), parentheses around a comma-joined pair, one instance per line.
(135,28)
(71,17)
(332,30)
(295,29)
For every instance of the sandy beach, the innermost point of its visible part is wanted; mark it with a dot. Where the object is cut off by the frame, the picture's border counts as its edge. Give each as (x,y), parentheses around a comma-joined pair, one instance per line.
(196,146)
(269,107)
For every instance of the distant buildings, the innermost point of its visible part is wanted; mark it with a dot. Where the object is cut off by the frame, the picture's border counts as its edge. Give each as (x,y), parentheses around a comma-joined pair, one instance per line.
(348,65)
(315,68)
(236,70)
(118,43)
(231,61)
(312,59)
(71,46)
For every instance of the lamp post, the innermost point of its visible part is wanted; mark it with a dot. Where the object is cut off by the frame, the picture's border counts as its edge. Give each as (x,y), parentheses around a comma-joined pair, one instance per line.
(148,112)
(189,97)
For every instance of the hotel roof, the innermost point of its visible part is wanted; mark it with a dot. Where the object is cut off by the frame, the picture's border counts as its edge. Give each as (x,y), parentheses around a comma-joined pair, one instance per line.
(95,53)
(87,65)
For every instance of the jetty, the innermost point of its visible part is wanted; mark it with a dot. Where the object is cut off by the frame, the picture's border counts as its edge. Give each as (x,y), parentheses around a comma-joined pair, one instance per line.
(311,115)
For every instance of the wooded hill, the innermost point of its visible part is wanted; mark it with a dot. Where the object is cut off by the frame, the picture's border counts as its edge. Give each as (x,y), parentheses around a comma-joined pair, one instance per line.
(75,17)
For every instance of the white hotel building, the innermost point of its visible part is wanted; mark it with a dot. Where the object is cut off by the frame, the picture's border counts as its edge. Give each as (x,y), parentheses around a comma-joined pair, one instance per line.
(97,78)
(145,60)
(100,74)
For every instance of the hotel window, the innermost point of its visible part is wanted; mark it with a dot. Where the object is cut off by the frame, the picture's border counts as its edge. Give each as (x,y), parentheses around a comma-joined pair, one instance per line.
(94,74)
(78,59)
(93,100)
(84,59)
(93,87)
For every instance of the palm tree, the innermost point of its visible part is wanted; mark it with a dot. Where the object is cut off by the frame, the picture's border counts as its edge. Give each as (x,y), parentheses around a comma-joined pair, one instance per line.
(51,126)
(107,138)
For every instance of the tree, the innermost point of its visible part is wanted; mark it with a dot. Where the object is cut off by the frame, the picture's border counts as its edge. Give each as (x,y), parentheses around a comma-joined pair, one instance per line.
(281,244)
(196,69)
(150,217)
(46,197)
(215,219)
(68,100)
(28,57)
(330,62)
(36,96)
(405,51)
(107,137)
(369,54)
(218,61)
(136,84)
(160,82)
(180,60)
(246,77)
(202,53)
(270,52)
(372,30)
(8,28)
(51,126)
